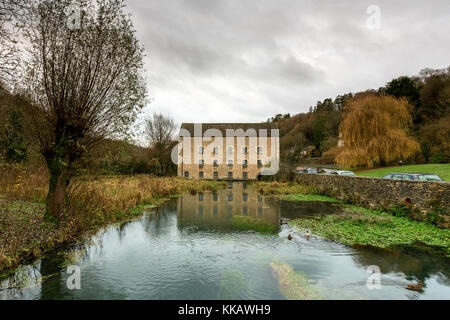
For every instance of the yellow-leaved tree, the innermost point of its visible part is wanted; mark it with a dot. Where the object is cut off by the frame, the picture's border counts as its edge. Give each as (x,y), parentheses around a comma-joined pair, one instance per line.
(374,130)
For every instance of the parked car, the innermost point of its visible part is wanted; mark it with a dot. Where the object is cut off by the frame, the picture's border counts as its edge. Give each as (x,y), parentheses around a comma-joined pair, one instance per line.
(344,173)
(430,177)
(308,170)
(413,176)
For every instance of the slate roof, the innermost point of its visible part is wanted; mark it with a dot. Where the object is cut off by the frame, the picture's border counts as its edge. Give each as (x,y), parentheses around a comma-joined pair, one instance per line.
(234,126)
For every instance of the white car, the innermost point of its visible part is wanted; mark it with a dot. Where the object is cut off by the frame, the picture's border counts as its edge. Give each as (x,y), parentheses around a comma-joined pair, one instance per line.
(344,173)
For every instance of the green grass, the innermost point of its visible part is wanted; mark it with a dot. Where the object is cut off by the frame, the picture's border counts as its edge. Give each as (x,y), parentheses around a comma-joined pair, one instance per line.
(442,170)
(249,223)
(376,228)
(307,197)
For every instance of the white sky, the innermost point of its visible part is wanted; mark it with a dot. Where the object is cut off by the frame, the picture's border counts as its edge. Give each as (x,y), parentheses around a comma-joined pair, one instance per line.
(247,60)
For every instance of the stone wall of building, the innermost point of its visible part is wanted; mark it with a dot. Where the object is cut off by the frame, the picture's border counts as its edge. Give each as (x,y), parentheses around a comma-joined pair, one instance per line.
(429,198)
(190,163)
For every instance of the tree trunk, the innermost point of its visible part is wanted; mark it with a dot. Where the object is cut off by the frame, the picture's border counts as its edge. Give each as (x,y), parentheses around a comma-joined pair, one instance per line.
(56,191)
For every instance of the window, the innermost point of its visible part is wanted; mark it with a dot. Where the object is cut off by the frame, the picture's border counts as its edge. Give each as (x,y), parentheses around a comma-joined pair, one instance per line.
(215,197)
(260,211)
(244,185)
(245,211)
(259,198)
(245,197)
(200,174)
(230,163)
(230,175)
(200,211)
(431,177)
(245,163)
(201,150)
(216,150)
(186,174)
(230,150)
(245,176)
(244,150)
(200,196)
(259,150)
(216,163)
(216,175)
(230,185)
(215,210)
(259,163)
(230,197)
(201,163)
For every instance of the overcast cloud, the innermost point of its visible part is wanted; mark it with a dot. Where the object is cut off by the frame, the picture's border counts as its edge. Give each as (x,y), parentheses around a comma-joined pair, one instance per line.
(247,60)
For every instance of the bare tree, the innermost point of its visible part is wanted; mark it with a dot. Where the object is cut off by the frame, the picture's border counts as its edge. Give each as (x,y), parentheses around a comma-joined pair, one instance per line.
(159,131)
(11,12)
(86,83)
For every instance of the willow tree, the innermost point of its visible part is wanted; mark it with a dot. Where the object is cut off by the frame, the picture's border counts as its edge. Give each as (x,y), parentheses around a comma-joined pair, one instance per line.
(375,131)
(85,80)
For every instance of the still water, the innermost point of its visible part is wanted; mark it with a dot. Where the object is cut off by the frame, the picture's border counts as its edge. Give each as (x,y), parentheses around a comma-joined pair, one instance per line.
(226,245)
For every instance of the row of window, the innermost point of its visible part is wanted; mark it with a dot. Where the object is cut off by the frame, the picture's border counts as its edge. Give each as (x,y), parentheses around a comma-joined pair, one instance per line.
(230,197)
(216,175)
(230,150)
(229,211)
(201,163)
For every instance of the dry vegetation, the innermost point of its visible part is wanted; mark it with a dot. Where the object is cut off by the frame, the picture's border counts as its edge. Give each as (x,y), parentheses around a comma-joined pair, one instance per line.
(92,203)
(283,188)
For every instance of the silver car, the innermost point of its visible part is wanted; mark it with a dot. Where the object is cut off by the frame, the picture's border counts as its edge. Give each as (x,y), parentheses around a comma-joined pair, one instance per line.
(413,176)
(344,173)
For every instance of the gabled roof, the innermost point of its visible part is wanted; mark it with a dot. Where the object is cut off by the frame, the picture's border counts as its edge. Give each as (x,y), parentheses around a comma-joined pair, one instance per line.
(234,126)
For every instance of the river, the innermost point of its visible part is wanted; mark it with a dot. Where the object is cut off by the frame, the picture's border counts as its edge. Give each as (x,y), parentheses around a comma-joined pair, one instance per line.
(227,244)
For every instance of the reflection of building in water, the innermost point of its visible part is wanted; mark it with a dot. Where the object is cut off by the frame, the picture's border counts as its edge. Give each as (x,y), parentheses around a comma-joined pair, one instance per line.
(219,208)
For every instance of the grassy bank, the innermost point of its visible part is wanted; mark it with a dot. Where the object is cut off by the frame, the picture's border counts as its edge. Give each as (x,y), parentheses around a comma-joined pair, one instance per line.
(92,204)
(442,170)
(282,188)
(361,226)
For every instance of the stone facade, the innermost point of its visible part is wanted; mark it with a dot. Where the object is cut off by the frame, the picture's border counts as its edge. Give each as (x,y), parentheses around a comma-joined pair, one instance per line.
(426,196)
(226,156)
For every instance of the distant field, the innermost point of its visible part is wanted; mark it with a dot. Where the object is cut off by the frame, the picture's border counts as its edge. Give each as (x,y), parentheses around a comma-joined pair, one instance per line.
(442,170)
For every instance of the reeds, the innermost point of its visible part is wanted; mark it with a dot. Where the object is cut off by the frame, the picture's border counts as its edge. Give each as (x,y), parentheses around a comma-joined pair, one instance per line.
(274,188)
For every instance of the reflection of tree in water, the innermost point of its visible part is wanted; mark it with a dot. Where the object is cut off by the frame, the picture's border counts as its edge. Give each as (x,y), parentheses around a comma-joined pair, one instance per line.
(17,286)
(51,287)
(156,223)
(43,278)
(298,209)
(122,230)
(413,262)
